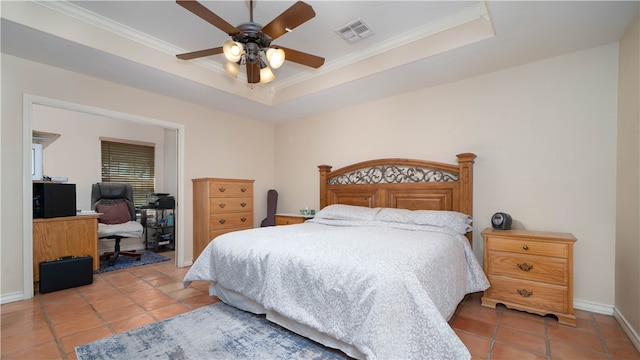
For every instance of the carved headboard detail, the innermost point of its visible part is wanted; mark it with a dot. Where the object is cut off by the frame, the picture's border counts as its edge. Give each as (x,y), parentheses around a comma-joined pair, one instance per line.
(401,183)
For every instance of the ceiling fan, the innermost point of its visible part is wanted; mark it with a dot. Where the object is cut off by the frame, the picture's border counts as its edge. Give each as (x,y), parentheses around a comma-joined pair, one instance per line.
(250,42)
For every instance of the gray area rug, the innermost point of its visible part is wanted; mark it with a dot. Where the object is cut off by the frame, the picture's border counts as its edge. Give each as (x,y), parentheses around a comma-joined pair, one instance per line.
(216,331)
(123,262)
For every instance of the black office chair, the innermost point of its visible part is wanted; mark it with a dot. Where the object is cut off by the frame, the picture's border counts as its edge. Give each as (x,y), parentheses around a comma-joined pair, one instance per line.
(118,216)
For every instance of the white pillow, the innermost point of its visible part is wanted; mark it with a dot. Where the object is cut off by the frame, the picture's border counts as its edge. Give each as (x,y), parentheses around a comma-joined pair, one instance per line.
(459,222)
(456,221)
(347,212)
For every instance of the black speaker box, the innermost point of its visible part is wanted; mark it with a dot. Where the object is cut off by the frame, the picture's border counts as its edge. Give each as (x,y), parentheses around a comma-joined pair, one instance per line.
(65,272)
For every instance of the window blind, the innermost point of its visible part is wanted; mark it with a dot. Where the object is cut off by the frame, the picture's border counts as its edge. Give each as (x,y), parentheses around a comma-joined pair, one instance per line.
(130,163)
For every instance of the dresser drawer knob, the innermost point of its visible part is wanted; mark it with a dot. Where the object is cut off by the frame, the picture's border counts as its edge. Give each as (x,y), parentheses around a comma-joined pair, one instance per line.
(243,204)
(525,247)
(524,292)
(222,221)
(243,219)
(525,267)
(222,205)
(243,190)
(221,189)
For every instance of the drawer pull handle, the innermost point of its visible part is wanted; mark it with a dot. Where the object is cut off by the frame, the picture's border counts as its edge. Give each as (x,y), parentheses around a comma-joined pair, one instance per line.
(243,204)
(222,205)
(243,190)
(222,221)
(243,219)
(525,247)
(525,267)
(524,292)
(221,189)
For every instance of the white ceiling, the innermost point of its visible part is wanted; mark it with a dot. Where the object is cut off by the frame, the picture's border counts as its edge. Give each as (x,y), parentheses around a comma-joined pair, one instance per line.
(416,44)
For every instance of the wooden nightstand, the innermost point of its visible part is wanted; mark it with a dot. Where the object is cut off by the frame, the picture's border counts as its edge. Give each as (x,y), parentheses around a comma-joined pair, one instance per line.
(289,219)
(530,271)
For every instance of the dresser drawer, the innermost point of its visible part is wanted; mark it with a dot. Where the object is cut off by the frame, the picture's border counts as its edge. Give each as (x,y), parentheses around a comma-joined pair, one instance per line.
(231,220)
(215,233)
(528,246)
(551,270)
(227,190)
(227,205)
(528,293)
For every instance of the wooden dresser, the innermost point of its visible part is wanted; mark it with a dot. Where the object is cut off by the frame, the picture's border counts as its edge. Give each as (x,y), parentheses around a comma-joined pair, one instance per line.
(220,206)
(64,236)
(530,271)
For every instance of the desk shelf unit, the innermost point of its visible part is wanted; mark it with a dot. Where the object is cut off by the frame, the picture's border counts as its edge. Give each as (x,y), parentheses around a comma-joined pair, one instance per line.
(158,231)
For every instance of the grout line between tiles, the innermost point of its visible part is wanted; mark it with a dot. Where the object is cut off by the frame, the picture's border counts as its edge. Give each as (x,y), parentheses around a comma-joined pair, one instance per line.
(547,342)
(599,333)
(51,328)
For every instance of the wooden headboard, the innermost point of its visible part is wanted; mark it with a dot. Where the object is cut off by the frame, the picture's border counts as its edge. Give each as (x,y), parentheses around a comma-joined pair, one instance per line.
(401,183)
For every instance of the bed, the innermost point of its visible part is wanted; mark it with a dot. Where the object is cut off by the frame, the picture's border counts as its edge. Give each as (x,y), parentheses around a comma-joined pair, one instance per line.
(376,273)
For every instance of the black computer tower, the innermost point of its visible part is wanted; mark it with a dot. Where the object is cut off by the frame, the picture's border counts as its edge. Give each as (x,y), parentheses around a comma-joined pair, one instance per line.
(53,199)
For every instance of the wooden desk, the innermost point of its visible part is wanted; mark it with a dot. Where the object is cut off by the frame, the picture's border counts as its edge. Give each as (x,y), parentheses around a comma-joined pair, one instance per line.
(64,236)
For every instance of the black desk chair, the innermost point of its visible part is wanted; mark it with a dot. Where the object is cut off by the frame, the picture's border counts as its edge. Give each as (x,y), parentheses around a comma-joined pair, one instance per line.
(118,220)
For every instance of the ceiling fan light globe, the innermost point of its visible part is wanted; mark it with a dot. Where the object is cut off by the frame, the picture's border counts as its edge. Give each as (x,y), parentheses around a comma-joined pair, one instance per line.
(275,57)
(266,75)
(232,50)
(232,68)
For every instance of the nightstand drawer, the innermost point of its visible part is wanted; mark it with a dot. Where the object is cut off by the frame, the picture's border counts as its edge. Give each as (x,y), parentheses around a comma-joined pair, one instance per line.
(528,246)
(529,267)
(290,219)
(529,293)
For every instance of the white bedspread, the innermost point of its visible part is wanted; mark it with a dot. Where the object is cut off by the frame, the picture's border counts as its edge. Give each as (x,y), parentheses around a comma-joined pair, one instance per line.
(386,290)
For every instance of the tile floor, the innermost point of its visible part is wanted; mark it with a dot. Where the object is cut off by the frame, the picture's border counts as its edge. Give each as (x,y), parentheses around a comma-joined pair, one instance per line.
(502,333)
(49,326)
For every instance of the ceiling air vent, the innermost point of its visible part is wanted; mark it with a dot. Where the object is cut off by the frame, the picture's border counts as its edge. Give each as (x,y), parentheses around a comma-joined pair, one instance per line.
(354,31)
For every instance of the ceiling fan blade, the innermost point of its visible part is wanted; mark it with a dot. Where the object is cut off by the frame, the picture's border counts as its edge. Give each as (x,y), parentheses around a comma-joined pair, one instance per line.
(291,18)
(253,73)
(207,15)
(302,58)
(200,53)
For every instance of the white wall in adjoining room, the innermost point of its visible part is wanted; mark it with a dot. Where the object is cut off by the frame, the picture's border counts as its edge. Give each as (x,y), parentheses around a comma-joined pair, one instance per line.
(545,139)
(76,154)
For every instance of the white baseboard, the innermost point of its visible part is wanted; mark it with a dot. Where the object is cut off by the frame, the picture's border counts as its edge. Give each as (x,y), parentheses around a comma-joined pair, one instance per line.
(609,310)
(626,327)
(14,296)
(605,309)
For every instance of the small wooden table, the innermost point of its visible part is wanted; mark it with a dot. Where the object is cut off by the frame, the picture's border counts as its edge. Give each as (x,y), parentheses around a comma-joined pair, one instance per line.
(64,236)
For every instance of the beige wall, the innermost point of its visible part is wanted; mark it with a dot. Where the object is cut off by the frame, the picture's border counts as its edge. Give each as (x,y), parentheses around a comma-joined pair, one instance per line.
(544,134)
(627,269)
(209,137)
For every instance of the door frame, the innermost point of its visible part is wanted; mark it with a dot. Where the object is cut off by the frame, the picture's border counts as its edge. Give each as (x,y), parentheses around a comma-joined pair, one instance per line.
(27,189)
